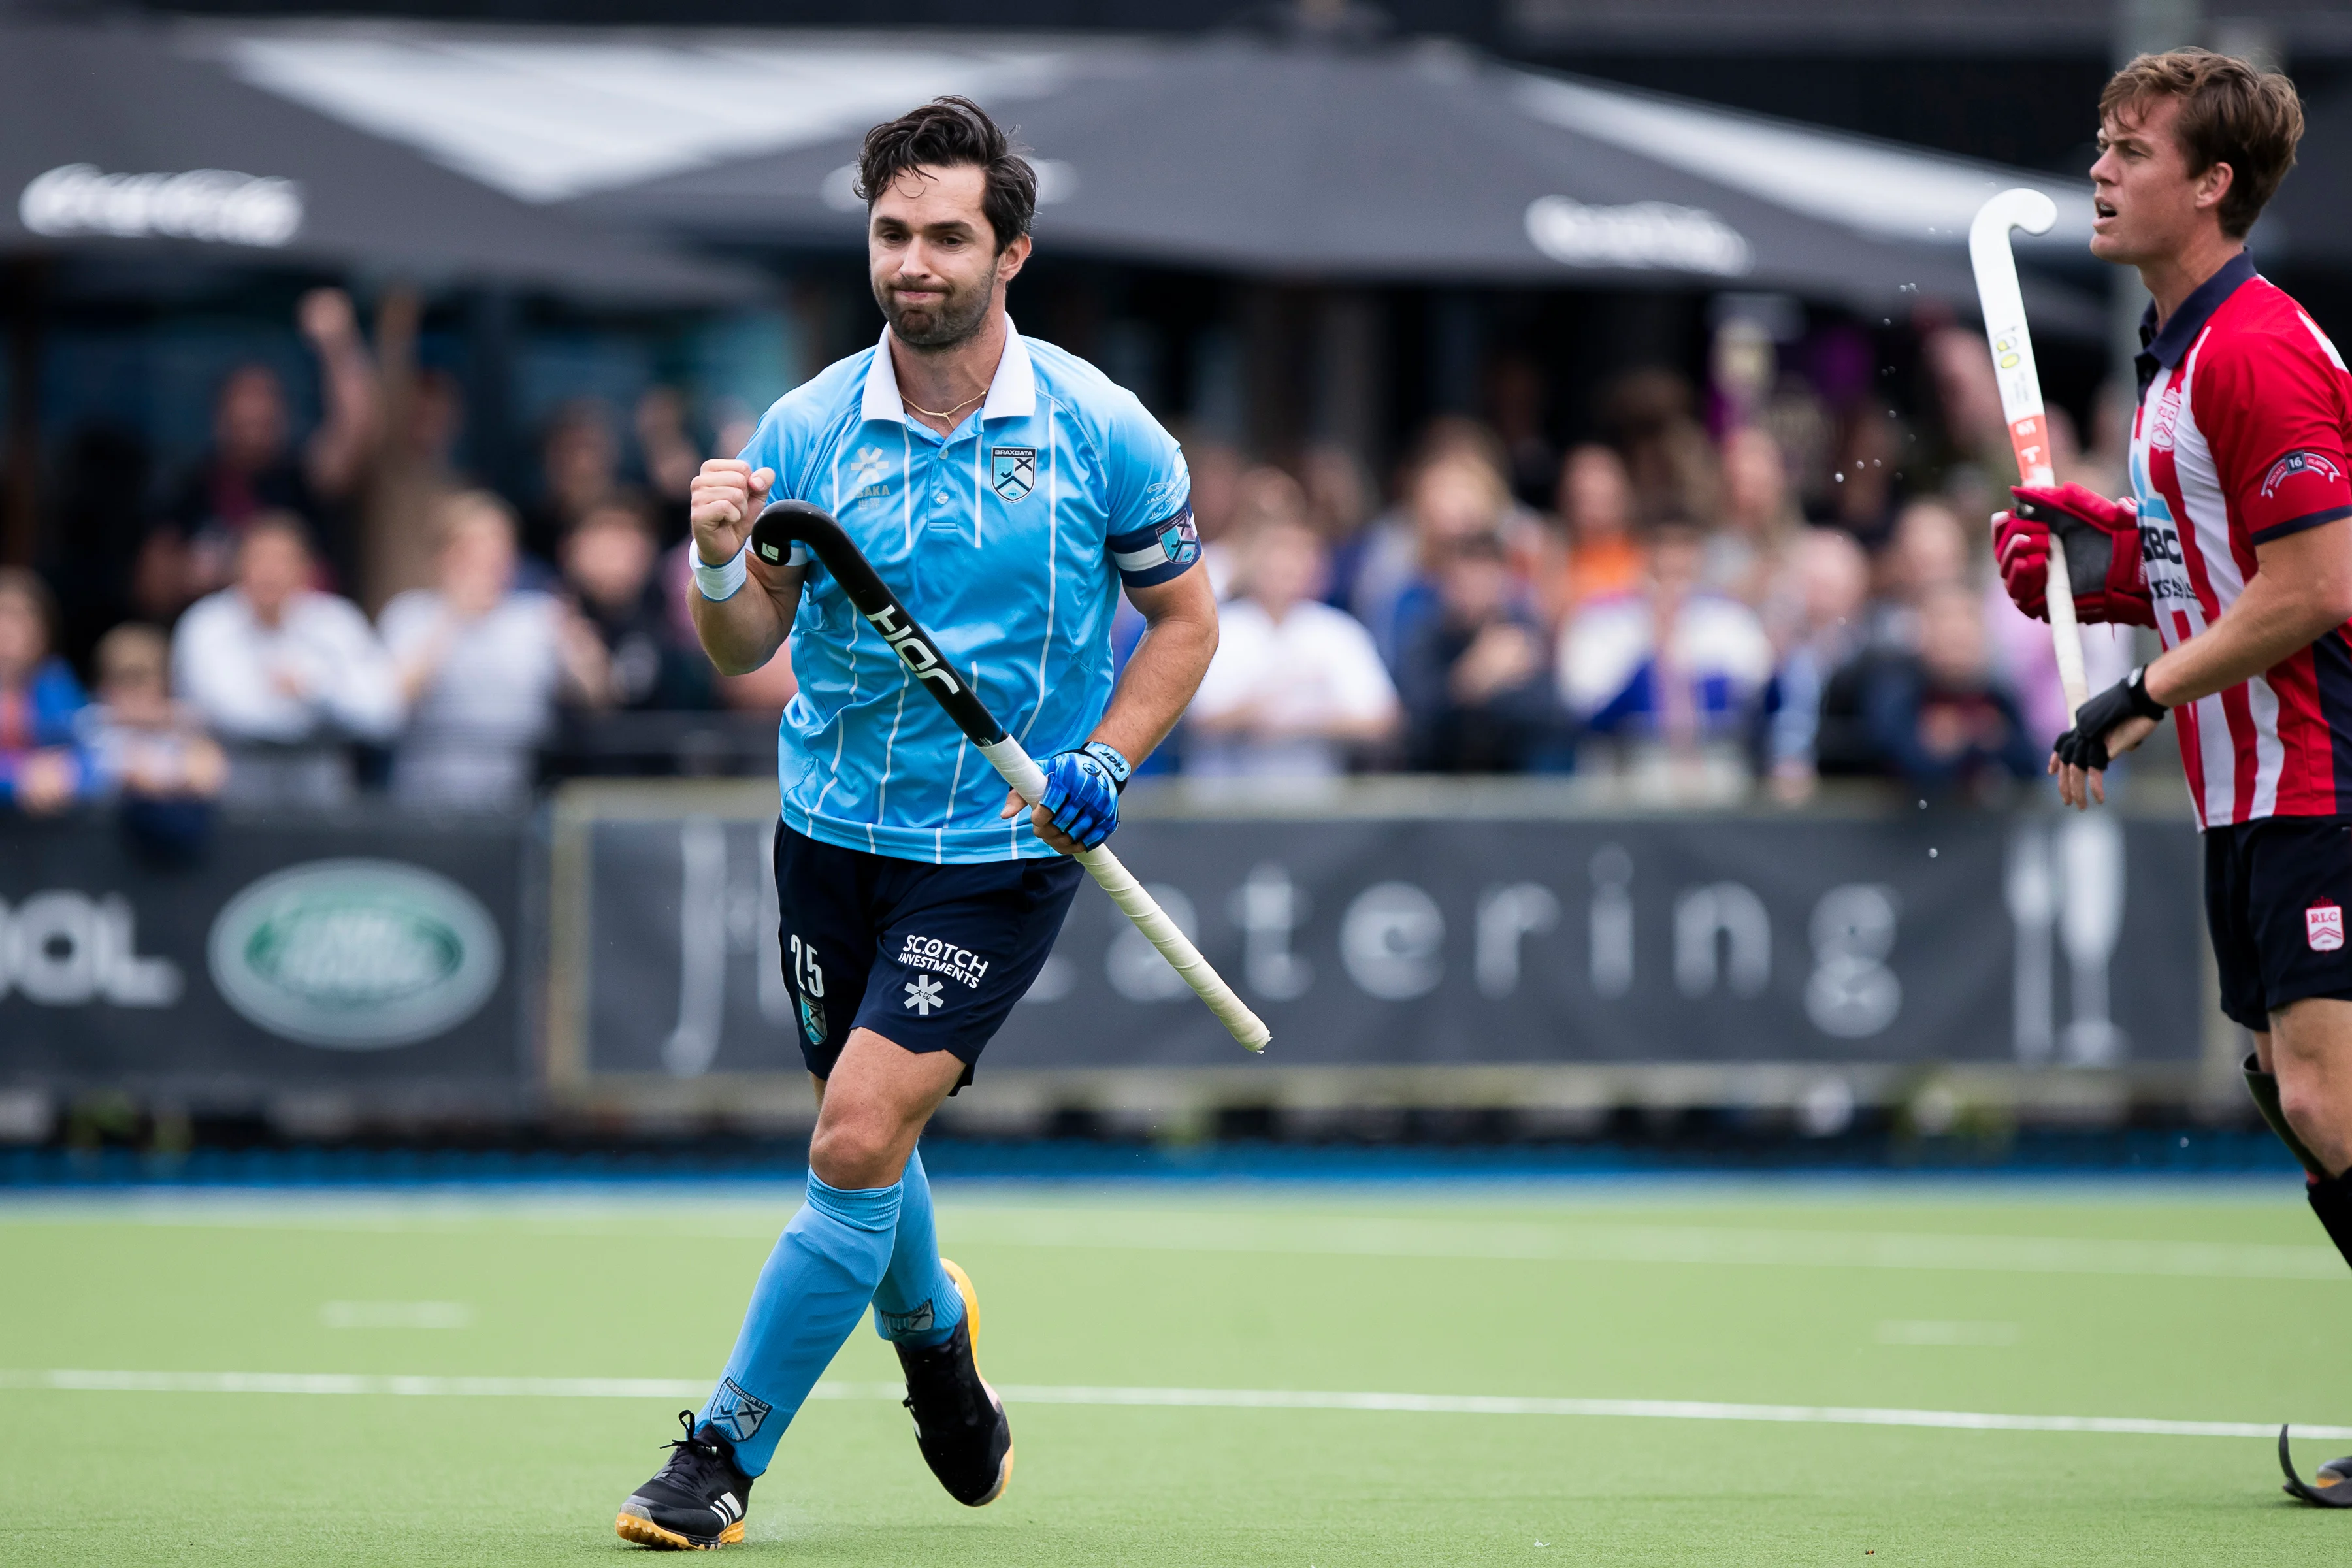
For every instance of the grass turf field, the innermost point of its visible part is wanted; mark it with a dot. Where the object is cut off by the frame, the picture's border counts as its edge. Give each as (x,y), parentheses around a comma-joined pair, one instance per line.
(2165,1303)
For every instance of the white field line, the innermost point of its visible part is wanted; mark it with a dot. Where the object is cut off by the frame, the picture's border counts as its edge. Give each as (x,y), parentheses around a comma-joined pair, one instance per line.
(1240,1231)
(1178,1398)
(1717,1244)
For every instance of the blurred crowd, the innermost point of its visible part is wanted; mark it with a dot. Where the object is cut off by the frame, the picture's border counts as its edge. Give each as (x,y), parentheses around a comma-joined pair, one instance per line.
(290,624)
(1752,586)
(1760,589)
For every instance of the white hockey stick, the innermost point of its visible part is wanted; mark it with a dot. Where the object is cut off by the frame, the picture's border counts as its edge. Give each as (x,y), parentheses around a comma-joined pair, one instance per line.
(784,522)
(2021,394)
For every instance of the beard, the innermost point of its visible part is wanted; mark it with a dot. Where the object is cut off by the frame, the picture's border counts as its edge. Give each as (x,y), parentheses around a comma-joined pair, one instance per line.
(956,319)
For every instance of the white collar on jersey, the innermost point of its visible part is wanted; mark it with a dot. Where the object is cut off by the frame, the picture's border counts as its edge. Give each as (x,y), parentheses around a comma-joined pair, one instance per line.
(1012,394)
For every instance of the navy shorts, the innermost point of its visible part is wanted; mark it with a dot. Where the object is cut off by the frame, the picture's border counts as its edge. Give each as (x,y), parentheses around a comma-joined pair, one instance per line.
(2276,891)
(929,957)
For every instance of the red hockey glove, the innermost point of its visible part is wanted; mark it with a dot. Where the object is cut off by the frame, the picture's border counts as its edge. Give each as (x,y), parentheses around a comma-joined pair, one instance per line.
(2103,561)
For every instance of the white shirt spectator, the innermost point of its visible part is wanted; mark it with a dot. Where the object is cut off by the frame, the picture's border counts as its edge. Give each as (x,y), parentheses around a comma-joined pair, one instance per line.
(318,674)
(284,698)
(1609,666)
(488,702)
(1313,671)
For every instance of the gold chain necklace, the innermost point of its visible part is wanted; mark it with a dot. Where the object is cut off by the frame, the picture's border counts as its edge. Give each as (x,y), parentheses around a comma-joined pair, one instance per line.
(943,412)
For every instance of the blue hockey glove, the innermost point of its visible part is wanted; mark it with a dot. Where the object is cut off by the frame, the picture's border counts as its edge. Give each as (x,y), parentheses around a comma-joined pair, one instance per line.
(1082,791)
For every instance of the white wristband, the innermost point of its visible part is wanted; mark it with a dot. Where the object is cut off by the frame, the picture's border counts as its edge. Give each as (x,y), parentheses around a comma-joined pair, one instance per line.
(721,582)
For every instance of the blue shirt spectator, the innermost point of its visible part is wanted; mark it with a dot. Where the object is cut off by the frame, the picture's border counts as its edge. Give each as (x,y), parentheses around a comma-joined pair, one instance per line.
(41,766)
(1474,678)
(1671,662)
(1940,720)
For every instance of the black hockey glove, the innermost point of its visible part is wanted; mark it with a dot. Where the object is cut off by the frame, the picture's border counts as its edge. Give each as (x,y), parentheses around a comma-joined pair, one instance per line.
(2085,745)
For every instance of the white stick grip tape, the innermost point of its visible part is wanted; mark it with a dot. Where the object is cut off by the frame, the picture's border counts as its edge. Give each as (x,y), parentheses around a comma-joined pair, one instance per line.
(1019,770)
(2066,633)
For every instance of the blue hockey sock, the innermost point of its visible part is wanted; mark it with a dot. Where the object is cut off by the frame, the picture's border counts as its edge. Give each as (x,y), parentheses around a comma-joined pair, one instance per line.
(916,1303)
(810,1296)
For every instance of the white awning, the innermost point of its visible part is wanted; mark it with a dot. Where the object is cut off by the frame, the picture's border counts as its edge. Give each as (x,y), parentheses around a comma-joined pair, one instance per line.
(1874,188)
(552,116)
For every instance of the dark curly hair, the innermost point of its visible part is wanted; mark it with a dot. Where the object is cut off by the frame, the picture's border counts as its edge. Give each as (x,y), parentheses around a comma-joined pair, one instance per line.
(948,133)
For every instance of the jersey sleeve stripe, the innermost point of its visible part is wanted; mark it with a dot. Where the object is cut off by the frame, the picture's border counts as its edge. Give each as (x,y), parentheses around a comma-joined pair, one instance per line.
(2297,524)
(2331,668)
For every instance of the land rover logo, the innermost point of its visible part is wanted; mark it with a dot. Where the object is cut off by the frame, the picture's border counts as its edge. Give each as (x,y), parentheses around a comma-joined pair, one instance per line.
(355,955)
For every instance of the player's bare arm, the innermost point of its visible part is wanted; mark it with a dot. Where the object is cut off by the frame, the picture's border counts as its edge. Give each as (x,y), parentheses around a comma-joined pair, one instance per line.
(741,631)
(1179,638)
(2301,590)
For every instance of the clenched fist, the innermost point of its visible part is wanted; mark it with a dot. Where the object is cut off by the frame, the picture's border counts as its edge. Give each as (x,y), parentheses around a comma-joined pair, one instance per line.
(723,503)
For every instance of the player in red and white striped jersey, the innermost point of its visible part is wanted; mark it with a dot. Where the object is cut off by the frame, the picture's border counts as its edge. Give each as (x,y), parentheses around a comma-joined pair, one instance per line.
(2244,416)
(2236,546)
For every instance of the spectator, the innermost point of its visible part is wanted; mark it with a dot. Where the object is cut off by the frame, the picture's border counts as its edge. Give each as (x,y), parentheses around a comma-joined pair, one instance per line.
(1453,499)
(1596,511)
(1968,392)
(252,468)
(1863,488)
(1515,398)
(1263,494)
(1295,684)
(146,751)
(1668,457)
(1370,571)
(580,465)
(283,674)
(414,470)
(480,665)
(1339,493)
(671,459)
(1475,679)
(1215,470)
(41,767)
(1831,584)
(1927,549)
(1673,663)
(1941,722)
(609,564)
(1747,552)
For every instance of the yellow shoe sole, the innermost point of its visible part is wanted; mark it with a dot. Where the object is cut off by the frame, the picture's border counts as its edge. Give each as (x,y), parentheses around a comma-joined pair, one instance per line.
(645,1532)
(971,1318)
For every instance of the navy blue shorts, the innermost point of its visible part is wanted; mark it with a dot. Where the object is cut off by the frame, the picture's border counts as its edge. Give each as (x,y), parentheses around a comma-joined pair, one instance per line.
(2276,891)
(928,957)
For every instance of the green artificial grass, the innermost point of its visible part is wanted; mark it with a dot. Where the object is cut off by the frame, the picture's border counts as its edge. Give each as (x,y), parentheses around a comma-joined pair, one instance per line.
(2164,1304)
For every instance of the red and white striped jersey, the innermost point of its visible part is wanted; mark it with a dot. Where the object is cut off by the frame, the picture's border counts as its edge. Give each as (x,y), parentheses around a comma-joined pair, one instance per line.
(2244,419)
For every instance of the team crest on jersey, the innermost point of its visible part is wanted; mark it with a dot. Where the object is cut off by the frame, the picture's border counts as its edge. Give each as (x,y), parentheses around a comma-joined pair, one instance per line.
(2167,413)
(812,1022)
(1013,471)
(2322,926)
(2295,463)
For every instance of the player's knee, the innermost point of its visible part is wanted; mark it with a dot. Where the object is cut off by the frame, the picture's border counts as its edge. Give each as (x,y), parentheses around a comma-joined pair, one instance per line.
(852,1151)
(2304,1103)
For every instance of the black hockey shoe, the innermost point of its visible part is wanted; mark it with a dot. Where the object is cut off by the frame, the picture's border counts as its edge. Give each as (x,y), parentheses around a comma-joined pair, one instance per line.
(2334,1480)
(695,1502)
(960,1422)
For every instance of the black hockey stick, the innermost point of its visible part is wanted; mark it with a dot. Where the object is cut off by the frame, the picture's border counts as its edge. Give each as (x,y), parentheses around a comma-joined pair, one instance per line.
(783,522)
